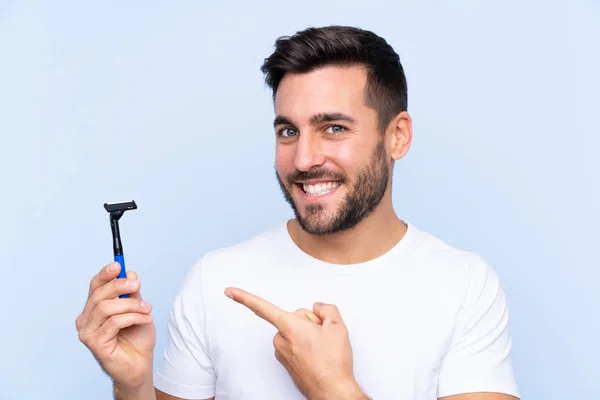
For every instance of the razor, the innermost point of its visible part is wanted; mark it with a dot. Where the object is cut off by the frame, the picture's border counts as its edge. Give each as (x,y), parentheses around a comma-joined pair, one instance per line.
(116,211)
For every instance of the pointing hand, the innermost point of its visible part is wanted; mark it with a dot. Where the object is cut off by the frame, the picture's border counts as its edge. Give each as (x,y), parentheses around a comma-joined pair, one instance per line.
(314,347)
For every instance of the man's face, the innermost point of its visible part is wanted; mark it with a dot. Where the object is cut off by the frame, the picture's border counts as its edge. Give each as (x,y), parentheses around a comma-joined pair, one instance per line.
(331,161)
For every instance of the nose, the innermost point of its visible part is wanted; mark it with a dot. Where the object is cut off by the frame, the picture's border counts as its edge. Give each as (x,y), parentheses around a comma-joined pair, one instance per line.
(309,153)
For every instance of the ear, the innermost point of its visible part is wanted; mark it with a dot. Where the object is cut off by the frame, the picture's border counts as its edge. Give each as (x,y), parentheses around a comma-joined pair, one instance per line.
(400,135)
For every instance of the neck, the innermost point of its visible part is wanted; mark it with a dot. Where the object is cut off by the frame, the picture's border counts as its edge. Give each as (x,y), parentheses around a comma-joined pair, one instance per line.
(369,239)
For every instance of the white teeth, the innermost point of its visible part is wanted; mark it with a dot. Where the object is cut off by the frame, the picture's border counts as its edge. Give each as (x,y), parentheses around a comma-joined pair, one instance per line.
(320,189)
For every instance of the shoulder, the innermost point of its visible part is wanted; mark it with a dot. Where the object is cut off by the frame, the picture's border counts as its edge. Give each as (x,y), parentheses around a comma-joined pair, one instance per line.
(449,266)
(264,246)
(247,256)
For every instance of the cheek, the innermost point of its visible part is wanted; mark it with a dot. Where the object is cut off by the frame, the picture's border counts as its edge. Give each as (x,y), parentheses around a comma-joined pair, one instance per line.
(347,156)
(284,159)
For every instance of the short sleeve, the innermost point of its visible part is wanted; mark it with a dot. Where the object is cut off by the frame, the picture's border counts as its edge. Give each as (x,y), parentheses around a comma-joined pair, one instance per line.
(186,369)
(479,356)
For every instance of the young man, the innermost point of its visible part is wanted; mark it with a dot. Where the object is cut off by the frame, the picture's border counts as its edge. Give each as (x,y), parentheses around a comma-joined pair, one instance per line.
(346,300)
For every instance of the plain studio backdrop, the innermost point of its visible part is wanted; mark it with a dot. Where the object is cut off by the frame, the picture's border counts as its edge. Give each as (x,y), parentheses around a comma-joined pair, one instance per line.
(164,103)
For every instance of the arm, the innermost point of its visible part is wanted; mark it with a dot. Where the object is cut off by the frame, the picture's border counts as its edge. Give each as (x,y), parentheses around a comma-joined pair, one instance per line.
(185,370)
(478,365)
(146,392)
(163,396)
(480,396)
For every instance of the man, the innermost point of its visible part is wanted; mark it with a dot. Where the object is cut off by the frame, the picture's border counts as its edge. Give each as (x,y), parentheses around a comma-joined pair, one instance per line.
(346,300)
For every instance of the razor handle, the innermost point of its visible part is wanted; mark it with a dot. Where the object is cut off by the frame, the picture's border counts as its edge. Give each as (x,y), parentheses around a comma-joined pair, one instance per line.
(123,273)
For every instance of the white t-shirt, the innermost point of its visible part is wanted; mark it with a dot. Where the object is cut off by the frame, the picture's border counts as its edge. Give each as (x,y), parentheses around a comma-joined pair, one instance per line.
(425,320)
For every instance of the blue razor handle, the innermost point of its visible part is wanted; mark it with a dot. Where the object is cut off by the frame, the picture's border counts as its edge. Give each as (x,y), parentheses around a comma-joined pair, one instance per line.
(123,273)
(116,211)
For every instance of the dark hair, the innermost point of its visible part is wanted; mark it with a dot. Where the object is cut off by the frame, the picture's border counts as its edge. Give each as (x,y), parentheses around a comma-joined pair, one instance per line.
(313,48)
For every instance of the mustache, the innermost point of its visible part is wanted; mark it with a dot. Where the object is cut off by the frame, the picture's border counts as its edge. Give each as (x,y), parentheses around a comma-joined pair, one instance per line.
(316,174)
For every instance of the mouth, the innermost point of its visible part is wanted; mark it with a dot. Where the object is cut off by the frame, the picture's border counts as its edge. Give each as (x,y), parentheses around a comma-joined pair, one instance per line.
(318,189)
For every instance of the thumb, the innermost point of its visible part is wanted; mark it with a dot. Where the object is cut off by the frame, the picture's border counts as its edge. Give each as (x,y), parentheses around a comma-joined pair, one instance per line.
(329,313)
(308,315)
(137,294)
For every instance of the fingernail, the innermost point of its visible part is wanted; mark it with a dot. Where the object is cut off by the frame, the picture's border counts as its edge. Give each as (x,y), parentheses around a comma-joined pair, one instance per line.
(131,283)
(228,294)
(113,267)
(144,304)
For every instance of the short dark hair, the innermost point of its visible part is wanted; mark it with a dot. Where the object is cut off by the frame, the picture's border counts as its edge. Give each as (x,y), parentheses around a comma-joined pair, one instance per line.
(312,48)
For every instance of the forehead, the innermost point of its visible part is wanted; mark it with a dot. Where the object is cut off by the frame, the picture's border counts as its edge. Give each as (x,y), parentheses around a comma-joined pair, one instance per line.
(328,89)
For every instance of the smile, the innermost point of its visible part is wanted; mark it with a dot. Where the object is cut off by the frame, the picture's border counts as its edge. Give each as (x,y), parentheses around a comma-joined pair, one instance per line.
(320,189)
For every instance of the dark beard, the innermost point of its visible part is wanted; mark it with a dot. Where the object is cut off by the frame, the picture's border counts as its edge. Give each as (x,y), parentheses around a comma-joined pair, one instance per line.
(360,200)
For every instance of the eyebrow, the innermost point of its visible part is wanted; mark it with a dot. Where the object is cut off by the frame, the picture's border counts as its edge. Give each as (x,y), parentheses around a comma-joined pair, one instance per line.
(316,119)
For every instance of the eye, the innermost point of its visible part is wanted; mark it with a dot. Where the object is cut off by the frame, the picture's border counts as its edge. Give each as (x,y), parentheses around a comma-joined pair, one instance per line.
(287,132)
(335,129)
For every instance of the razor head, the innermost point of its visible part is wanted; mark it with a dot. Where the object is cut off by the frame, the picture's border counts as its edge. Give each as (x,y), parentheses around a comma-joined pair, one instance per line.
(120,206)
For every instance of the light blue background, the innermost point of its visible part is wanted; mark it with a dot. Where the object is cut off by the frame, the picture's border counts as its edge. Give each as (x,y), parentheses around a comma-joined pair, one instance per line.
(164,103)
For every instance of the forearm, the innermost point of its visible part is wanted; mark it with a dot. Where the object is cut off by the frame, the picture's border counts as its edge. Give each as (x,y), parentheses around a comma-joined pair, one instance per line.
(145,391)
(341,396)
(344,391)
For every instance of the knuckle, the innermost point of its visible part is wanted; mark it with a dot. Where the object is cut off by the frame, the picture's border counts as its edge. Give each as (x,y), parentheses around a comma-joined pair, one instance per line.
(111,323)
(280,356)
(82,337)
(290,324)
(95,298)
(91,285)
(103,330)
(277,340)
(78,322)
(290,331)
(259,311)
(103,308)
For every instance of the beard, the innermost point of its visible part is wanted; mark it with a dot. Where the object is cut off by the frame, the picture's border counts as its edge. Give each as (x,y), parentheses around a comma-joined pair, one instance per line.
(362,197)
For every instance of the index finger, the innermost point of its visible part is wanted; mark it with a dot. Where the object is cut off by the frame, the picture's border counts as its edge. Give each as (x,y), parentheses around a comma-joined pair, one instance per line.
(106,274)
(261,307)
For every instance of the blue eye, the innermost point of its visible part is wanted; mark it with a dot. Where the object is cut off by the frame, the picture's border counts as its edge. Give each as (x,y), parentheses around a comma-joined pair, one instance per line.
(335,129)
(287,132)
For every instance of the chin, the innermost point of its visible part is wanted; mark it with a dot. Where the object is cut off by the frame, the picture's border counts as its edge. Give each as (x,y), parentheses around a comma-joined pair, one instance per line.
(315,222)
